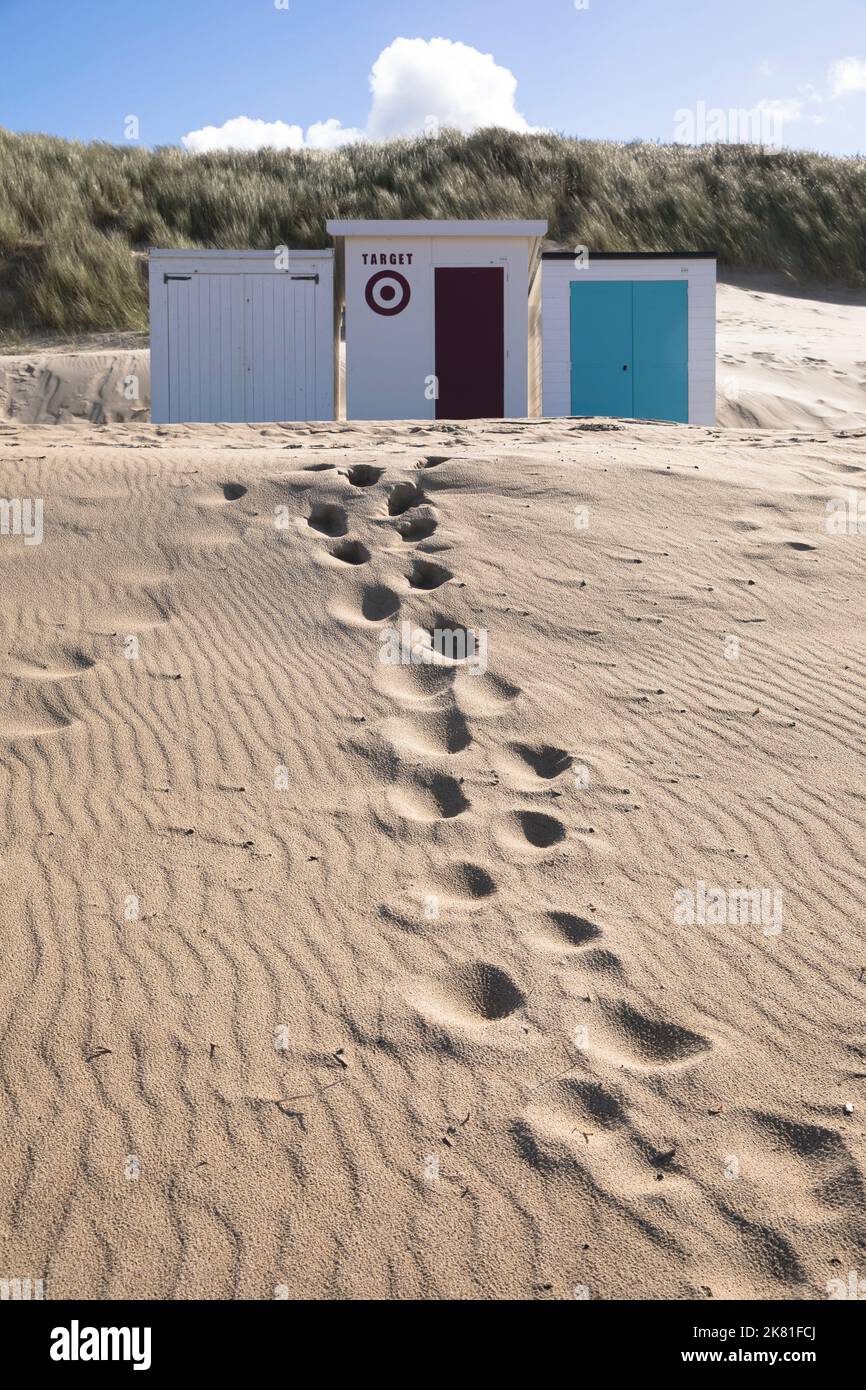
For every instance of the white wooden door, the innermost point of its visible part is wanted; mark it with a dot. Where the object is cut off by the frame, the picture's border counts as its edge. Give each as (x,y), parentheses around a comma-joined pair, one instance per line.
(281,350)
(206,376)
(242,347)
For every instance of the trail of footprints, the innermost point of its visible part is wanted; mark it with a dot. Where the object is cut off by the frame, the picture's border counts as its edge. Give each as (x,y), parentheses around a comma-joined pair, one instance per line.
(582,1125)
(436,702)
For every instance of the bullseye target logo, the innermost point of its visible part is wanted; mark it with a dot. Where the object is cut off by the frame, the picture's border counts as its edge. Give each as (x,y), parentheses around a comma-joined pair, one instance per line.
(388,292)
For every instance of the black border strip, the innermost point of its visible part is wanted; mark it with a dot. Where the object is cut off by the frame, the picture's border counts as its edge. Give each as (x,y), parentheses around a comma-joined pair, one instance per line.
(632,255)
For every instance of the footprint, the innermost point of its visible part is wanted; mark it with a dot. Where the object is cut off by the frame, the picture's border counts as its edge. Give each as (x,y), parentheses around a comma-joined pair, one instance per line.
(440,731)
(233,492)
(570,1126)
(424,684)
(450,647)
(378,603)
(572,1105)
(328,518)
(451,642)
(827,1169)
(427,575)
(351,553)
(403,496)
(603,962)
(543,1153)
(534,828)
(484,695)
(768,1250)
(567,929)
(653,1041)
(804,1140)
(478,993)
(545,761)
(417,527)
(364,475)
(440,798)
(591,1101)
(467,881)
(419,906)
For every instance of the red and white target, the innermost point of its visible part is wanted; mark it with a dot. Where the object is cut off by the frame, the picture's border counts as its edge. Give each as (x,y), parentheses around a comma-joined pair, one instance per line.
(388,292)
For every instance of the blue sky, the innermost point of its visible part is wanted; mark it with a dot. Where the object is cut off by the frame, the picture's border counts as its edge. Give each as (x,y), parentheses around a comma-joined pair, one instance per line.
(618,69)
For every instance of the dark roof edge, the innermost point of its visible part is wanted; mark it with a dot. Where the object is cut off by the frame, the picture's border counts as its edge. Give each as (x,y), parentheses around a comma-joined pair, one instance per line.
(633,255)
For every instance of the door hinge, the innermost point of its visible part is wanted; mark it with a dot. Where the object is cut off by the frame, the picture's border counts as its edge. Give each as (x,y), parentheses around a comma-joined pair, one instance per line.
(167,277)
(307,277)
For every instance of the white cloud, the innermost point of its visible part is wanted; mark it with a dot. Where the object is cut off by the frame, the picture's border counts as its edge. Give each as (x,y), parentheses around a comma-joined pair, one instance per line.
(417,86)
(327,135)
(243,133)
(781,109)
(416,83)
(847,75)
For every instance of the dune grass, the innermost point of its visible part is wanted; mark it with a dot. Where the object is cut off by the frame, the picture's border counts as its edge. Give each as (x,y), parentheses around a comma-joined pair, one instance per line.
(76,220)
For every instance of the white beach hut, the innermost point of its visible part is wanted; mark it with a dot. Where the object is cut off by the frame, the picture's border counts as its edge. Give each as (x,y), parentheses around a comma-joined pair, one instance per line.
(630,334)
(242,335)
(441,318)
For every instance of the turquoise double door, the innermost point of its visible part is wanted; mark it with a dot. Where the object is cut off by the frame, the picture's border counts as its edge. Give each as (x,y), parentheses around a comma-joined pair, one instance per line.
(630,348)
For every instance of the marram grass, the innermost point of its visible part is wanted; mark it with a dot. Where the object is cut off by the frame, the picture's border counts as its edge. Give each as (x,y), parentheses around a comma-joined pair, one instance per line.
(75,219)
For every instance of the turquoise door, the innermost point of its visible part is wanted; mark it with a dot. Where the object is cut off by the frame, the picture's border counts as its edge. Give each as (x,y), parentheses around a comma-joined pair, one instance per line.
(630,349)
(601,347)
(661,350)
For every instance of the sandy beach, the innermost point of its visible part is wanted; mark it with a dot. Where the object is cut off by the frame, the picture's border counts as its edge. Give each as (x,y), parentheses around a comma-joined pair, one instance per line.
(328,976)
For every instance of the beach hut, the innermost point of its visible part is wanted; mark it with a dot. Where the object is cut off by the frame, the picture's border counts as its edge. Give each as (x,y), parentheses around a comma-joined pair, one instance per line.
(441,318)
(242,335)
(629,334)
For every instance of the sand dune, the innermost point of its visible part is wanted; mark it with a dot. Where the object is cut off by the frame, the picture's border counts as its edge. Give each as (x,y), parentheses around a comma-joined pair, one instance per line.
(790,359)
(103,384)
(340,978)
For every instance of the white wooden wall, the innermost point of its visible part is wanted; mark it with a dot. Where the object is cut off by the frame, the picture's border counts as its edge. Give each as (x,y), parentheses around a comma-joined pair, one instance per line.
(556,334)
(240,339)
(389,359)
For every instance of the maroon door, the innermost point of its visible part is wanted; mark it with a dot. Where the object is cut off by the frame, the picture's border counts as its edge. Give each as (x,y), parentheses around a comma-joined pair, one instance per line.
(470,342)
